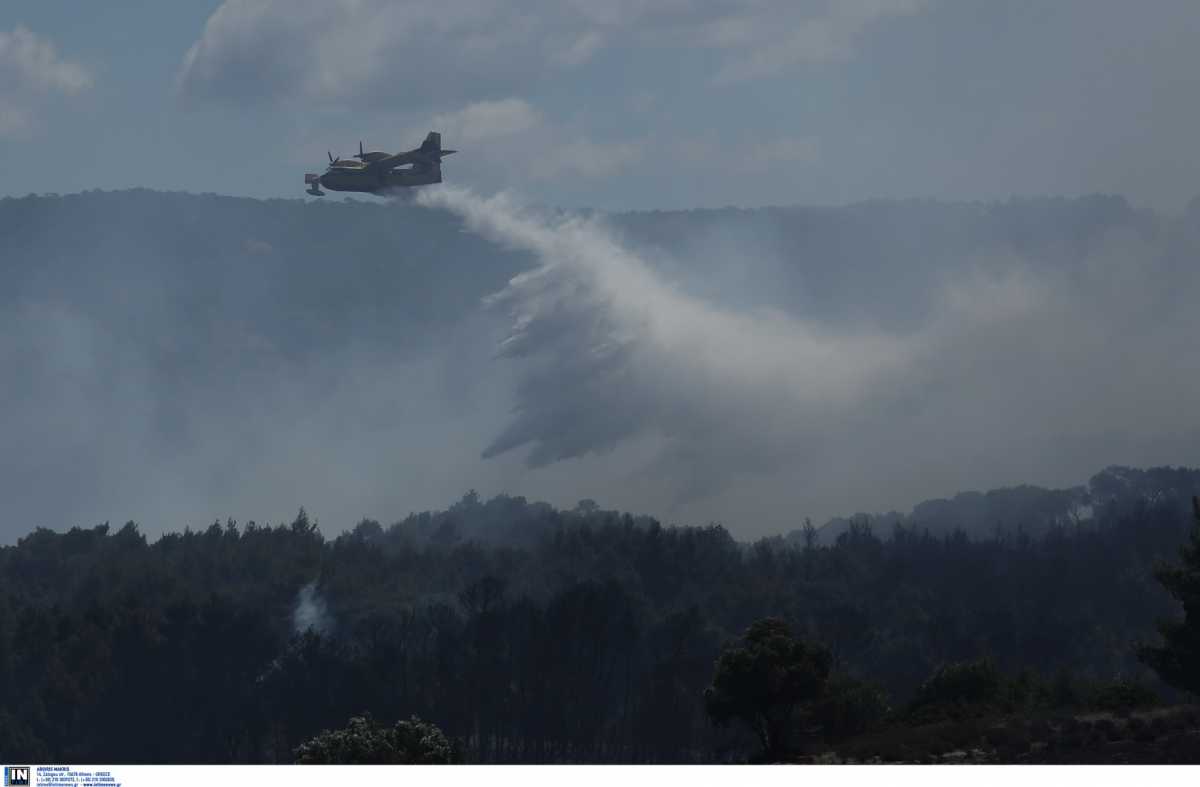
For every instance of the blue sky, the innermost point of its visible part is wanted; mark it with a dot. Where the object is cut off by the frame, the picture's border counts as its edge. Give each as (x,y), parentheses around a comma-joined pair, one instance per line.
(627,104)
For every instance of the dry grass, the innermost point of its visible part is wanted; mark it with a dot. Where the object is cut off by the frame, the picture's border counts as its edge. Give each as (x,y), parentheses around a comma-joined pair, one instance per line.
(1160,736)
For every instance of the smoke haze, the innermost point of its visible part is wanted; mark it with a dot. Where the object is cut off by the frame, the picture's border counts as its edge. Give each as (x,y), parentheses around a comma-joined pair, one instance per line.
(1008,376)
(180,359)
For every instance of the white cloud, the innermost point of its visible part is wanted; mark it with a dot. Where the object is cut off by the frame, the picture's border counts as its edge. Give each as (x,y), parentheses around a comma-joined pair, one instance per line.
(31,61)
(586,158)
(747,157)
(782,151)
(643,101)
(773,39)
(486,120)
(361,51)
(14,118)
(580,49)
(31,72)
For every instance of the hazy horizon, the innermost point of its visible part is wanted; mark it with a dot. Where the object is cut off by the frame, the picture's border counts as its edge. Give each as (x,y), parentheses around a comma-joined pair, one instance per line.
(599,357)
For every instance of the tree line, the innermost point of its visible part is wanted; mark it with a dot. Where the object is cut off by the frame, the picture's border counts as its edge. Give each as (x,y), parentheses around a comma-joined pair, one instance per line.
(591,639)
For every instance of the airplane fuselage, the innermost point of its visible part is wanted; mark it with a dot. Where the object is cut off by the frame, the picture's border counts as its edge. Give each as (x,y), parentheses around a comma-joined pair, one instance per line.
(377,172)
(369,182)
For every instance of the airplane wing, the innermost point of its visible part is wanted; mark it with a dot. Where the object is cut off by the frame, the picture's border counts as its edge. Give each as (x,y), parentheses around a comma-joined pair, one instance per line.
(428,155)
(391,162)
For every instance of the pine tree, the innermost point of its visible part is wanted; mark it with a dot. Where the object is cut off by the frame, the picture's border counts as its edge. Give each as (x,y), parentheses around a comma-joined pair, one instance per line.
(1177,661)
(764,680)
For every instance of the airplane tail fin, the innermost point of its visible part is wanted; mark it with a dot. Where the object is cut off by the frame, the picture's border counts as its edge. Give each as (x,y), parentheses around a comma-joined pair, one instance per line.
(432,146)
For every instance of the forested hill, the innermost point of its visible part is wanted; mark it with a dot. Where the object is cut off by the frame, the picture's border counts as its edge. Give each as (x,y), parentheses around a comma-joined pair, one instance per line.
(287,276)
(1008,514)
(177,356)
(268,635)
(1027,510)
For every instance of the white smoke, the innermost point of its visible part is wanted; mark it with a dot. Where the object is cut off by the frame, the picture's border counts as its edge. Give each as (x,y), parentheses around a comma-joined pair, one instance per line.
(311,612)
(1008,379)
(611,351)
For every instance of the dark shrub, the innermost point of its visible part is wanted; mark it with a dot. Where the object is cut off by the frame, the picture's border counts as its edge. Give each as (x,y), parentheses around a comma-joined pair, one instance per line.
(1040,730)
(850,707)
(958,690)
(893,751)
(998,737)
(1074,739)
(1123,696)
(1107,729)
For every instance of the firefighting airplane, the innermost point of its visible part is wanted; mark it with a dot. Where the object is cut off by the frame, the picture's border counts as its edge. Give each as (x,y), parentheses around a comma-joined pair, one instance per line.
(377,173)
